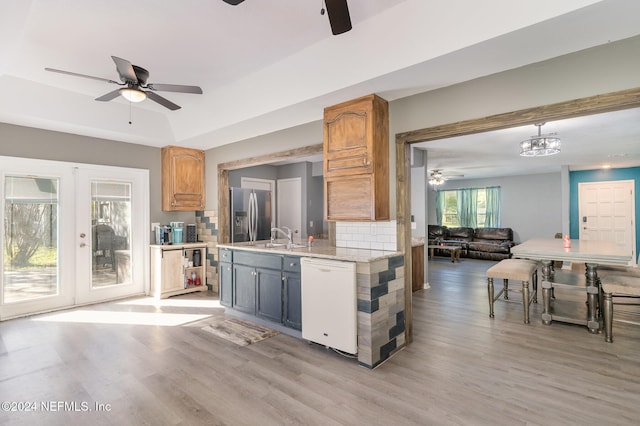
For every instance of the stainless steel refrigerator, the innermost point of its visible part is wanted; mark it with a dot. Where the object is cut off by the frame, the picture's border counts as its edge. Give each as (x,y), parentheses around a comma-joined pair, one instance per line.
(251,214)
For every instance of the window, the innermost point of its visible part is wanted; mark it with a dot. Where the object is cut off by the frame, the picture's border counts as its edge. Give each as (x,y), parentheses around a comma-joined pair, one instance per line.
(471,207)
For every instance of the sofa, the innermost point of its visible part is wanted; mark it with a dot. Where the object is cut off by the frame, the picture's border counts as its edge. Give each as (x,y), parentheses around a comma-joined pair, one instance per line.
(478,243)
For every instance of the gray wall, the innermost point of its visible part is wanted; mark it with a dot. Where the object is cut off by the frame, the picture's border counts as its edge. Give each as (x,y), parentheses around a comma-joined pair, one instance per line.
(18,141)
(257,172)
(531,205)
(607,68)
(312,189)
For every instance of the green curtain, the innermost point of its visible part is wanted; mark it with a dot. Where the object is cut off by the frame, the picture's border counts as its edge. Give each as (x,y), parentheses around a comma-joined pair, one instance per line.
(439,207)
(492,219)
(468,207)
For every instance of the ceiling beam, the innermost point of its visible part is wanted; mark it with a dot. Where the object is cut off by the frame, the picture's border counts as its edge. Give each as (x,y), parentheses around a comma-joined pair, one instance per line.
(597,104)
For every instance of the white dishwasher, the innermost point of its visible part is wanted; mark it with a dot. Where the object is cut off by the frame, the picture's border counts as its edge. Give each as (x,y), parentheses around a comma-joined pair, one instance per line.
(329,303)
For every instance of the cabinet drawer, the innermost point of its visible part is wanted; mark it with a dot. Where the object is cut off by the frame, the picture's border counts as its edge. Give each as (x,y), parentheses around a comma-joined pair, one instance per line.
(226,255)
(357,162)
(258,260)
(291,264)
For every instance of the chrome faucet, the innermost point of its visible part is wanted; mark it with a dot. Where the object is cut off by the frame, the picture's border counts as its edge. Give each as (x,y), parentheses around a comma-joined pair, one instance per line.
(287,234)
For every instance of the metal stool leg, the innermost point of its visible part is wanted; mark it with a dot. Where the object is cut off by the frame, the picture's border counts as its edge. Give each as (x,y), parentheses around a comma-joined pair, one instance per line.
(506,289)
(608,317)
(525,300)
(490,290)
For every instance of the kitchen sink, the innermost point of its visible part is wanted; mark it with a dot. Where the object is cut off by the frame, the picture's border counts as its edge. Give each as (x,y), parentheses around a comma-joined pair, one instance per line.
(274,245)
(282,245)
(292,246)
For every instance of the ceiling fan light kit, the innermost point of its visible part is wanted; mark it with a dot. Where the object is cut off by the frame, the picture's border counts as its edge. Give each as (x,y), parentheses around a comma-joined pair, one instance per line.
(436,178)
(133,95)
(540,145)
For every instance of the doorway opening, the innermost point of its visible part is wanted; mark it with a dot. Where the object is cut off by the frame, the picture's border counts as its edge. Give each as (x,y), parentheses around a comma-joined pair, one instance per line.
(585,106)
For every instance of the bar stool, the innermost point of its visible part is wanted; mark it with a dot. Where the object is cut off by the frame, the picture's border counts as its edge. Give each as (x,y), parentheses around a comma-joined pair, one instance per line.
(616,286)
(514,269)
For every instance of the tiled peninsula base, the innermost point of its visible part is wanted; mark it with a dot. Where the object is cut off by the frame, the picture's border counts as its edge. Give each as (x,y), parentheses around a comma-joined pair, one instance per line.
(380,287)
(207,228)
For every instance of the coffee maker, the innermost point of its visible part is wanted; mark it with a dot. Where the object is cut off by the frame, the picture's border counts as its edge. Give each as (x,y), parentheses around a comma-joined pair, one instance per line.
(163,234)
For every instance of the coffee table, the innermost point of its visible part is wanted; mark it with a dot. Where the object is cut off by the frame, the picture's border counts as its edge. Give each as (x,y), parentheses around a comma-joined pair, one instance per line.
(454,250)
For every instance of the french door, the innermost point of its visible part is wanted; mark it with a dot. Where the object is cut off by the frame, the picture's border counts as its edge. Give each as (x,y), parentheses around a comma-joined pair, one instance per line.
(73,234)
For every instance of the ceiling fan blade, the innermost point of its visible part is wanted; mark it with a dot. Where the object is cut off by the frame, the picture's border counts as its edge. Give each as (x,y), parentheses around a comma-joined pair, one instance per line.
(233,2)
(338,12)
(109,96)
(125,69)
(175,88)
(75,74)
(162,101)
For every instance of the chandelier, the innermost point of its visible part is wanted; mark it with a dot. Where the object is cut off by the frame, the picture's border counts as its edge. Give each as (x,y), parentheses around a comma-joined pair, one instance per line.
(436,178)
(540,145)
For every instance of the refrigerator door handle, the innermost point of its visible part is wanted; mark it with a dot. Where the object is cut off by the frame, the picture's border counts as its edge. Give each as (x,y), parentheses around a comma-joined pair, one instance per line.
(252,213)
(256,215)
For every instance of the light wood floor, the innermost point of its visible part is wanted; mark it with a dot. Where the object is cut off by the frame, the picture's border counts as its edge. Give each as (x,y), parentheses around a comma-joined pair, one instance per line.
(462,368)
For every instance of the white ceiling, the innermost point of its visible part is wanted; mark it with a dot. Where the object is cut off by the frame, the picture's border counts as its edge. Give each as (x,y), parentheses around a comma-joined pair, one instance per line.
(266,65)
(590,142)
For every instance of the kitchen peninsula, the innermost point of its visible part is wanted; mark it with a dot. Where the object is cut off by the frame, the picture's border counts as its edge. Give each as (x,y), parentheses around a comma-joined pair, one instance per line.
(379,290)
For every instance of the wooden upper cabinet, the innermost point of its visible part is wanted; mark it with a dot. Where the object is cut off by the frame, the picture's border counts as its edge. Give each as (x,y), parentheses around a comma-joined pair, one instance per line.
(356,160)
(182,179)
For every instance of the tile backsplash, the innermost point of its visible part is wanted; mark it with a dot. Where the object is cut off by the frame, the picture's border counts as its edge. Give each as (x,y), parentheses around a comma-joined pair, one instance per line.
(367,235)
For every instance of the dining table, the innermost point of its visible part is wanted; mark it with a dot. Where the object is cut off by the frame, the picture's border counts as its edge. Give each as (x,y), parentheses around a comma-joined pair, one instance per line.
(590,252)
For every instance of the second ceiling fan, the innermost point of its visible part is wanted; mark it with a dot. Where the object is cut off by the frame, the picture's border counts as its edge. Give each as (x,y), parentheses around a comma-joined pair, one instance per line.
(337,11)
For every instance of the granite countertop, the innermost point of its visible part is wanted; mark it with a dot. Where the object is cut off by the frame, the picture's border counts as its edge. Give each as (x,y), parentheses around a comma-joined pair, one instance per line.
(319,248)
(177,246)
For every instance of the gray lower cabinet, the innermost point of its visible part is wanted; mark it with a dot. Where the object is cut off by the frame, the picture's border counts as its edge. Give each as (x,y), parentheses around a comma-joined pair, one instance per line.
(225,276)
(262,284)
(244,288)
(226,283)
(269,300)
(292,297)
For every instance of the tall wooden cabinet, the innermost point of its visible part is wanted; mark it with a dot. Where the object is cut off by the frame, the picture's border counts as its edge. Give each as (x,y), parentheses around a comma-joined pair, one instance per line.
(356,160)
(182,179)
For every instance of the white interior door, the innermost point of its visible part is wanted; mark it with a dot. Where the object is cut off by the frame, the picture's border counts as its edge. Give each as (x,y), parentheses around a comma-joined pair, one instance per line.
(607,211)
(290,205)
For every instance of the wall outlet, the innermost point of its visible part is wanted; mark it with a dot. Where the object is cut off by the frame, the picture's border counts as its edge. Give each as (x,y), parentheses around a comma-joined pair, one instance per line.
(373,229)
(154,225)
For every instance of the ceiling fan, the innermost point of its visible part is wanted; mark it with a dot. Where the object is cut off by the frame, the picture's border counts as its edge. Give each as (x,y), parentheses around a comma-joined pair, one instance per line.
(133,79)
(437,177)
(337,11)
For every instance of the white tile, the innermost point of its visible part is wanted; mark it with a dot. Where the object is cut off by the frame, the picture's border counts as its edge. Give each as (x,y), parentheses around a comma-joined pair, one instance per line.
(377,246)
(390,246)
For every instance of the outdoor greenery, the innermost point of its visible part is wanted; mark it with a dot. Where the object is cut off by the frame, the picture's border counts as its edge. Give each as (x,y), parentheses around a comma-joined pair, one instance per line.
(450,214)
(29,230)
